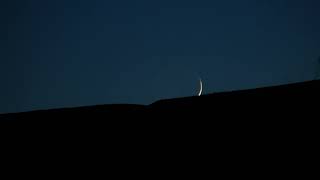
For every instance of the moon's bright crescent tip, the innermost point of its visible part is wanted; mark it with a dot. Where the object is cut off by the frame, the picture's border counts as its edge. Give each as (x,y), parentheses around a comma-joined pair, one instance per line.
(200,91)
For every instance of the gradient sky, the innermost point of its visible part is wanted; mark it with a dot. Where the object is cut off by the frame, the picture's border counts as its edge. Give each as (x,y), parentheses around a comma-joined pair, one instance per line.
(68,53)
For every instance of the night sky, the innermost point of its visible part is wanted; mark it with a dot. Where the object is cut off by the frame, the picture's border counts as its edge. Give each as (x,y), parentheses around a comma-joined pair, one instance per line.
(69,53)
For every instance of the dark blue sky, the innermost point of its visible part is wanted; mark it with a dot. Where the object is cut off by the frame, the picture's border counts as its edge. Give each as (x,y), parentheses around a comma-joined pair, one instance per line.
(75,53)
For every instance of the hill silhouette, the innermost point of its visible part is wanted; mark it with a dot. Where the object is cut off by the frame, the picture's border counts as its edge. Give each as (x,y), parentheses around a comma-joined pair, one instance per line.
(256,125)
(278,104)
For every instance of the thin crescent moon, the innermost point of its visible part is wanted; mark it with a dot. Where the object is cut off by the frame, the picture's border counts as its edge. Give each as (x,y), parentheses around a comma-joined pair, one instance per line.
(200,92)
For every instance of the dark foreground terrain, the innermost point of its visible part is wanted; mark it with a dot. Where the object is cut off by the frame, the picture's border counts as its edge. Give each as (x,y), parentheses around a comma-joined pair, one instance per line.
(264,131)
(285,105)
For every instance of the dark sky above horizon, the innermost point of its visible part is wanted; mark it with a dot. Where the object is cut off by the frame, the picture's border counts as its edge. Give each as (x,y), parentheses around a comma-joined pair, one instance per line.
(71,53)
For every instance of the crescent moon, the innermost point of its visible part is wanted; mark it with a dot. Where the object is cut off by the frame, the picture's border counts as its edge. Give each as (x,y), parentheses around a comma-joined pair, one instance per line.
(200,91)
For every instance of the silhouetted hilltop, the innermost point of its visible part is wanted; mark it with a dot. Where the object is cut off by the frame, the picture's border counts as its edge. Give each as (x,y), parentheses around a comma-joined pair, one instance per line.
(283,94)
(264,122)
(98,111)
(285,100)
